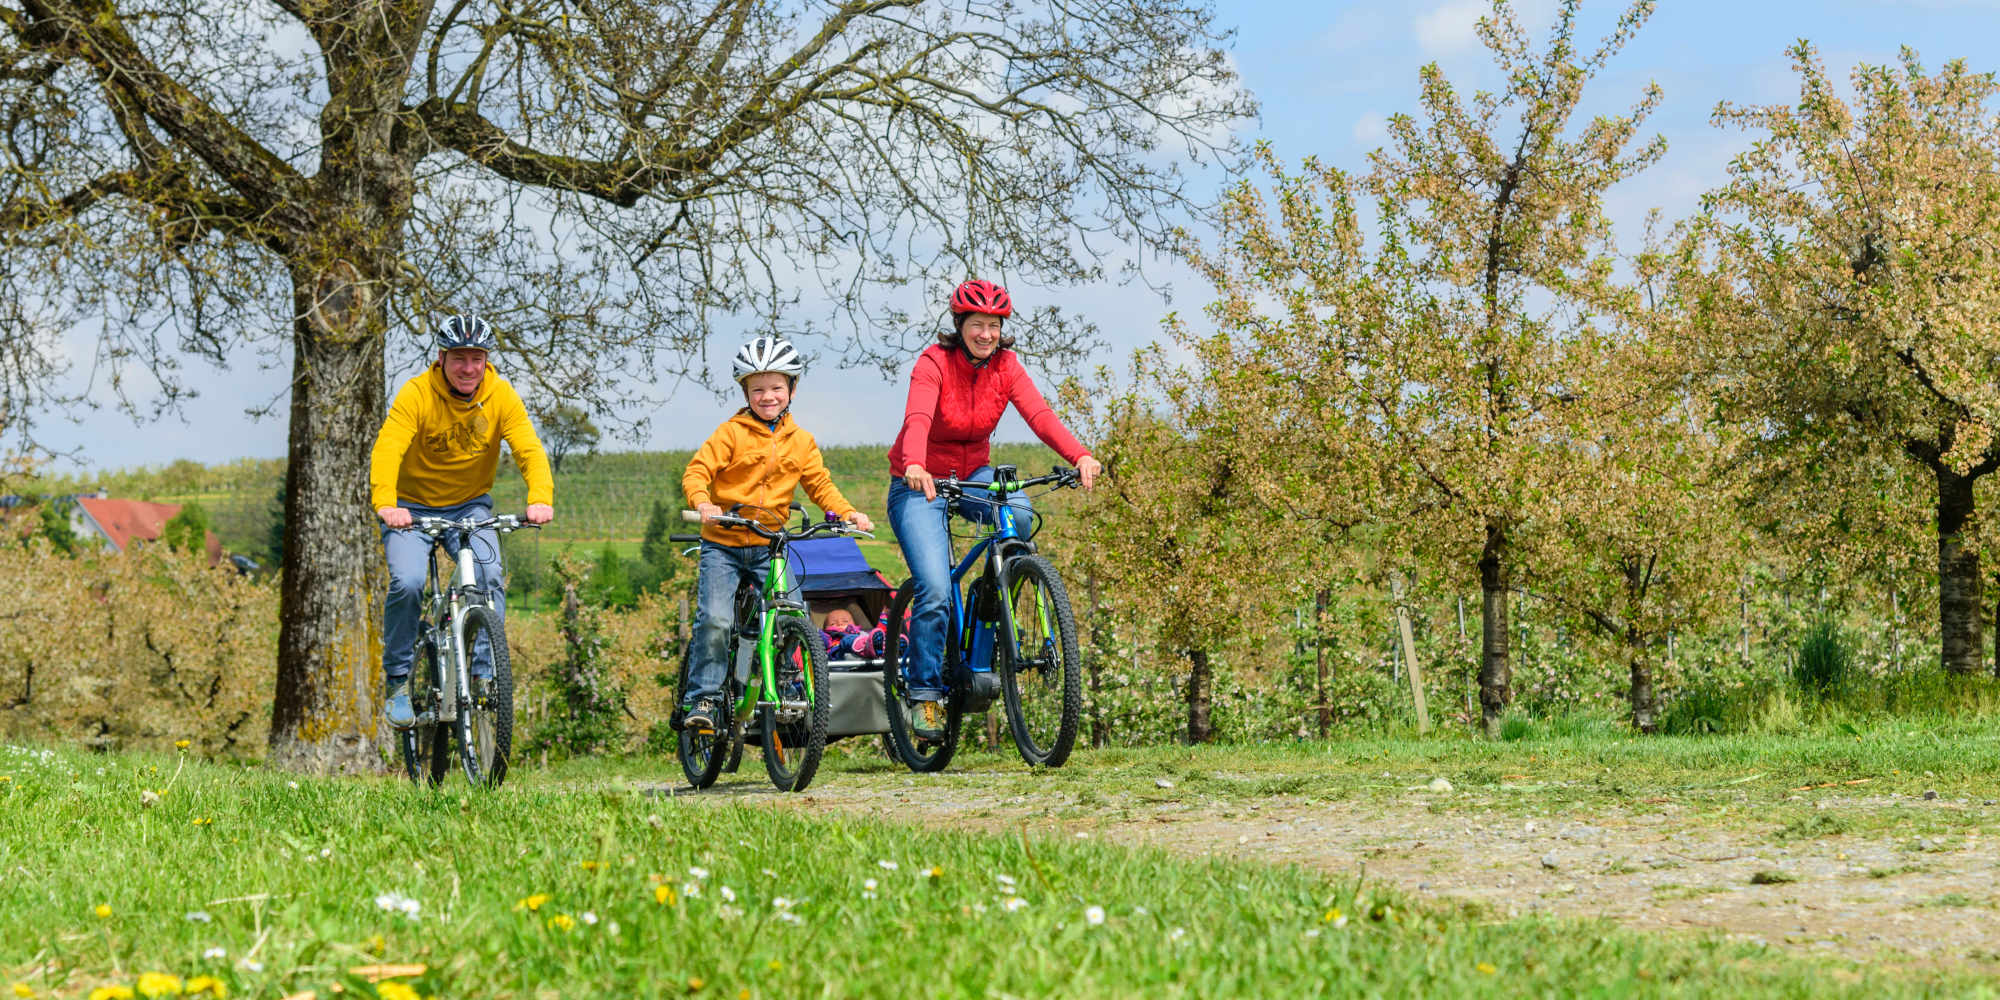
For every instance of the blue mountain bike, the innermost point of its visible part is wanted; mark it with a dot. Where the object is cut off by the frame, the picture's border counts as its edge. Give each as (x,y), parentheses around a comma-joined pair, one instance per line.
(1009,633)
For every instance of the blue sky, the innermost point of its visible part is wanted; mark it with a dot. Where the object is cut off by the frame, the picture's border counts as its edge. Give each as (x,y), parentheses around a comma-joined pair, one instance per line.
(1327,75)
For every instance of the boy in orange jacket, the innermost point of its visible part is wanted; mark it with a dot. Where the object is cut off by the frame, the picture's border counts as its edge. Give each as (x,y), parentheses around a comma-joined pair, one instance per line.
(757,457)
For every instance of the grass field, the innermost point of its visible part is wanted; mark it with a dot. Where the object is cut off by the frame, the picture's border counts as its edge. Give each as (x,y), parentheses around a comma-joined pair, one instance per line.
(589,879)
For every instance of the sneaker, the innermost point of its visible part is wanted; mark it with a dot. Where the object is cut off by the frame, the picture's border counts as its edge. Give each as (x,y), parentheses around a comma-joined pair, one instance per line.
(700,718)
(930,720)
(396,705)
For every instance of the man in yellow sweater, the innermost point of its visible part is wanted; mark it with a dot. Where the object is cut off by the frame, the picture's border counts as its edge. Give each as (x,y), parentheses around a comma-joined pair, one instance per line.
(436,456)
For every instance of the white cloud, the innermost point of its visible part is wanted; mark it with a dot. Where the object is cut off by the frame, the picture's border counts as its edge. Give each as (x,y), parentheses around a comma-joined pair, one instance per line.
(1451,28)
(1370,128)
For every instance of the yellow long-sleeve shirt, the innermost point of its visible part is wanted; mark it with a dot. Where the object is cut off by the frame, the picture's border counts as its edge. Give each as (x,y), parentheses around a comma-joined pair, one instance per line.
(437,450)
(745,461)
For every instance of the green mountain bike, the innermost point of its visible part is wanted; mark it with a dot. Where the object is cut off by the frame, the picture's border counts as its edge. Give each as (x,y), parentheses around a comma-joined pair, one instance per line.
(776,691)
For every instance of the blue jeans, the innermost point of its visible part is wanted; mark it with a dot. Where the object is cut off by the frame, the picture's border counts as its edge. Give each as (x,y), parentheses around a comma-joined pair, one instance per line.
(715,612)
(409,560)
(926,541)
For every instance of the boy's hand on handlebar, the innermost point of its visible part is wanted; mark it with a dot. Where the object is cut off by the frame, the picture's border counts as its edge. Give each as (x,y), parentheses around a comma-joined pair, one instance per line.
(917,479)
(1087,469)
(540,513)
(394,517)
(860,520)
(709,511)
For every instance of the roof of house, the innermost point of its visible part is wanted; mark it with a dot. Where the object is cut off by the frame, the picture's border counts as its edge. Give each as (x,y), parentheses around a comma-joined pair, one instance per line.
(124,520)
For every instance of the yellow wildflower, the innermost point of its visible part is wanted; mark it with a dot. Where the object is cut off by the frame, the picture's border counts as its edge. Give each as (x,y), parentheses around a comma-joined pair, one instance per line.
(159,984)
(743,994)
(180,744)
(103,911)
(202,821)
(591,866)
(5,778)
(23,990)
(1486,967)
(390,989)
(111,993)
(531,903)
(776,965)
(694,983)
(207,984)
(663,894)
(377,944)
(562,921)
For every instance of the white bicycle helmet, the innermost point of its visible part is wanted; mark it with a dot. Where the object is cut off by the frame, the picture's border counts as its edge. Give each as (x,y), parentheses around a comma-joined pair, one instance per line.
(767,354)
(466,330)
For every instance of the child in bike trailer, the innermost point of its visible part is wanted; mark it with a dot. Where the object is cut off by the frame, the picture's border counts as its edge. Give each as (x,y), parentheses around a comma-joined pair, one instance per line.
(757,457)
(844,638)
(436,456)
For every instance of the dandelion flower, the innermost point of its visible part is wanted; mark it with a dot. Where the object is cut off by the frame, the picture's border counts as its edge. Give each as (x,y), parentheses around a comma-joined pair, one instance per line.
(1093,915)
(663,894)
(389,989)
(1334,917)
(111,993)
(694,982)
(887,865)
(159,984)
(591,866)
(1486,967)
(775,965)
(180,744)
(23,990)
(531,903)
(103,911)
(215,953)
(562,922)
(206,984)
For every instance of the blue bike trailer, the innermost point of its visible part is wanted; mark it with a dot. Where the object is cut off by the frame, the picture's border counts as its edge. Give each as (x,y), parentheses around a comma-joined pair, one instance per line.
(834,574)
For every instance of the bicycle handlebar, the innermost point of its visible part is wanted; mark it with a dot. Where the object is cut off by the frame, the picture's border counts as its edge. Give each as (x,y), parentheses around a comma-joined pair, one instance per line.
(954,486)
(786,534)
(435,526)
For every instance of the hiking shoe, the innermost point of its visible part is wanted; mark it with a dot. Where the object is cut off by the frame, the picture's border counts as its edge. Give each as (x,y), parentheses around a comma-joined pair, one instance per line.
(930,720)
(701,717)
(396,705)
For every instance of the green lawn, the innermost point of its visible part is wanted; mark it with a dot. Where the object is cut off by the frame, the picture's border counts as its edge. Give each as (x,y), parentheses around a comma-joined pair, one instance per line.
(583,881)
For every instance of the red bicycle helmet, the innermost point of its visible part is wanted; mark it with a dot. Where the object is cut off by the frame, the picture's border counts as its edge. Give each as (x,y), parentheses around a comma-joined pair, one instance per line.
(977,296)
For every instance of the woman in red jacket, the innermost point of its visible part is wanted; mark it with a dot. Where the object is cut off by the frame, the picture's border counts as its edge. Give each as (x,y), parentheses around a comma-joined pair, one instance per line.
(958,391)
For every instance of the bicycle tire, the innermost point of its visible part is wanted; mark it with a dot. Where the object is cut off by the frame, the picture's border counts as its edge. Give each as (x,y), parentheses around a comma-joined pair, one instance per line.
(1041,672)
(792,750)
(426,747)
(701,754)
(486,723)
(920,755)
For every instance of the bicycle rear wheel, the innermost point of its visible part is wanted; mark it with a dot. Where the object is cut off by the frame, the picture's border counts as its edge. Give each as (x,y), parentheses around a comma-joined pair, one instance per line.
(486,715)
(918,752)
(426,746)
(792,746)
(701,753)
(1041,673)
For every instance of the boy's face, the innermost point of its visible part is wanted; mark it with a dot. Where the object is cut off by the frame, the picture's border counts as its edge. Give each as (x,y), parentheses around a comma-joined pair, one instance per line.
(768,393)
(839,619)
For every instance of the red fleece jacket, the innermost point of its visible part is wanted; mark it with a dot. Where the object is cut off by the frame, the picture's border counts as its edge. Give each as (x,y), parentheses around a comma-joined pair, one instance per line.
(954,405)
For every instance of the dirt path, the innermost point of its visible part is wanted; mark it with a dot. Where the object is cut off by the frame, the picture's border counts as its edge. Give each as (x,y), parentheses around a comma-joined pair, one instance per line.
(1888,892)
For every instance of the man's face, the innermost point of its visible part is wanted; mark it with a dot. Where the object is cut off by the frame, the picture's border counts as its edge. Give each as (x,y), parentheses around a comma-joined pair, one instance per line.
(768,394)
(981,334)
(464,367)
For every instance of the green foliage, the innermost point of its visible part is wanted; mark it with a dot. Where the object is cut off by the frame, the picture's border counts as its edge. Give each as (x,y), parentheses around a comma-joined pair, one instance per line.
(55,527)
(274,534)
(589,705)
(187,531)
(655,549)
(608,585)
(1824,661)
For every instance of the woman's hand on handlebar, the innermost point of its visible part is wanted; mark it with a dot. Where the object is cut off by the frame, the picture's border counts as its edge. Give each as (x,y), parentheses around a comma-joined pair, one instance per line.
(394,517)
(1087,469)
(917,479)
(540,513)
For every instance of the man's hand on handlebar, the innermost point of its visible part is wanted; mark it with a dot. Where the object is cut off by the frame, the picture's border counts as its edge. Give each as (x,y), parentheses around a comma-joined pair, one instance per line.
(540,513)
(394,517)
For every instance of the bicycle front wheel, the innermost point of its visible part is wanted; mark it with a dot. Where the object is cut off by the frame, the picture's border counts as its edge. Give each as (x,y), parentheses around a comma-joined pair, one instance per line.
(793,732)
(701,752)
(920,751)
(426,746)
(1041,674)
(486,715)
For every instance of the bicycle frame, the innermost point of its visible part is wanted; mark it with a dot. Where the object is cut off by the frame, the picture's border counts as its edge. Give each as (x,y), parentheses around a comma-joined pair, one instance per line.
(773,601)
(447,609)
(972,637)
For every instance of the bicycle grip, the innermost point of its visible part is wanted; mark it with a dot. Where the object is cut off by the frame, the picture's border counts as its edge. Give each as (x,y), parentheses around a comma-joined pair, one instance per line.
(691,516)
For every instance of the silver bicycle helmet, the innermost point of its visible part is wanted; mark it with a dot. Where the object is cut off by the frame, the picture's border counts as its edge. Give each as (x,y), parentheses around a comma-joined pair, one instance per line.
(767,354)
(466,330)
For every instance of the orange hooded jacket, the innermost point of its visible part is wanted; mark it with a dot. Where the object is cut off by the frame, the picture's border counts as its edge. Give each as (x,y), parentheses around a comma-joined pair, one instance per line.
(746,461)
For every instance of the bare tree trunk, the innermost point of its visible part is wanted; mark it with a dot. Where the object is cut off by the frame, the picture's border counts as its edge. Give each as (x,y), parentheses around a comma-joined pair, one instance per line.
(1319,662)
(1961,605)
(1496,677)
(1645,699)
(323,715)
(1199,693)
